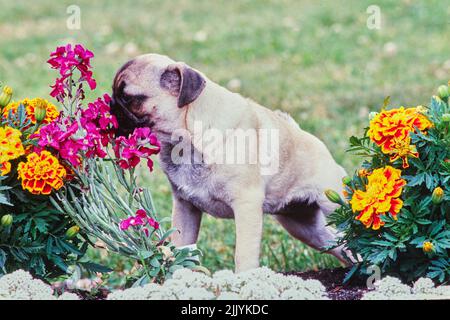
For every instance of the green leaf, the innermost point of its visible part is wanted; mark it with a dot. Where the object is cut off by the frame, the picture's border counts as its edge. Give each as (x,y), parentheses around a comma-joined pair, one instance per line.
(2,260)
(351,273)
(154,272)
(4,200)
(95,267)
(142,281)
(146,254)
(155,263)
(386,102)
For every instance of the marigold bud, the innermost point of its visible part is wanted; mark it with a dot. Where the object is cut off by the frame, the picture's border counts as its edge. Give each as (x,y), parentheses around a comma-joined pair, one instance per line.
(437,196)
(363,173)
(6,220)
(421,109)
(427,246)
(346,180)
(443,91)
(40,110)
(5,96)
(333,196)
(72,232)
(437,98)
(446,117)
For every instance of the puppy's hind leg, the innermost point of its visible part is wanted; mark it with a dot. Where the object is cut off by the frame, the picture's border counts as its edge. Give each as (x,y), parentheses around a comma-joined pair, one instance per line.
(308,224)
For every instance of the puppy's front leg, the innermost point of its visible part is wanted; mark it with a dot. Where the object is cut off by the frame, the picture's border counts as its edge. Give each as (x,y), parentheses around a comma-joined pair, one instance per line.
(186,218)
(248,217)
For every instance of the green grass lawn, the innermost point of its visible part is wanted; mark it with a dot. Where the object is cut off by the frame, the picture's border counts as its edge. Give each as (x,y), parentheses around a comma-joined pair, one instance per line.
(316,60)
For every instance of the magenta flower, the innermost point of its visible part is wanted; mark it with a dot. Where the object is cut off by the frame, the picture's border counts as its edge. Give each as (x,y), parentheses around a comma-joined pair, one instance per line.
(100,126)
(140,219)
(129,151)
(59,135)
(131,221)
(67,60)
(58,88)
(91,133)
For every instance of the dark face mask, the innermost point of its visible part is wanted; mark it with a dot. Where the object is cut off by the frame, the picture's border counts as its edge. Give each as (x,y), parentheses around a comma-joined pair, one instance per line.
(126,119)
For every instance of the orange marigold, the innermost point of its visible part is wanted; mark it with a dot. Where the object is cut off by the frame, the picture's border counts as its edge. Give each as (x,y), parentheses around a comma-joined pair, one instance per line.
(41,173)
(382,194)
(30,106)
(390,130)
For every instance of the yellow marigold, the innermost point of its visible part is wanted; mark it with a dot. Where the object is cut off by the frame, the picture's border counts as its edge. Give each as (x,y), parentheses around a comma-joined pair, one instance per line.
(427,246)
(382,194)
(10,144)
(390,130)
(30,107)
(401,149)
(5,168)
(41,173)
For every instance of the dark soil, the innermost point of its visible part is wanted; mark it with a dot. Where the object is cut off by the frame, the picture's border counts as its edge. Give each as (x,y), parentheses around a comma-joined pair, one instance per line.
(96,294)
(333,279)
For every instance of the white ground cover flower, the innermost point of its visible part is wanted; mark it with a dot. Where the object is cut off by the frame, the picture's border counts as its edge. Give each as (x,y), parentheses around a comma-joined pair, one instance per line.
(139,293)
(228,295)
(192,279)
(390,288)
(68,296)
(261,283)
(256,290)
(20,285)
(196,294)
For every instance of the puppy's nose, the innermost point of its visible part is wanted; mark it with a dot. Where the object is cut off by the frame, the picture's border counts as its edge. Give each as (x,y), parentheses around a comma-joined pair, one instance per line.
(115,110)
(123,132)
(126,119)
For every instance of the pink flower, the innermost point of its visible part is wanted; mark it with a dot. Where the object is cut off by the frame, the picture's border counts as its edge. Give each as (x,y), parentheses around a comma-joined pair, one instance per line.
(131,221)
(140,219)
(59,135)
(91,133)
(137,146)
(141,213)
(67,60)
(58,89)
(100,126)
(153,223)
(83,55)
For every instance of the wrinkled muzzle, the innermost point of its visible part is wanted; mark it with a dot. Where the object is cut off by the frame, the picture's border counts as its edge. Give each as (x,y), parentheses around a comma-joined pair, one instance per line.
(126,119)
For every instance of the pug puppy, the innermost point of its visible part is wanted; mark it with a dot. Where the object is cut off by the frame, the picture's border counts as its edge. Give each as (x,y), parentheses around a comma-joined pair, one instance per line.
(167,96)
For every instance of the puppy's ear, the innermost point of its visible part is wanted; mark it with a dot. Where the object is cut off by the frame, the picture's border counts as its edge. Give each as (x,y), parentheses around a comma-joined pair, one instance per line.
(182,82)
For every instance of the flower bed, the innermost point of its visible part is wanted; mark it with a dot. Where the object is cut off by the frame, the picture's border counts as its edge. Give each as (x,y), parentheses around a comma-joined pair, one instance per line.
(256,284)
(395,215)
(56,173)
(58,163)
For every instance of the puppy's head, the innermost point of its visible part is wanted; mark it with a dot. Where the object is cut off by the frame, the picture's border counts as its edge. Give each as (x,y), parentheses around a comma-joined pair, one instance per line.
(153,90)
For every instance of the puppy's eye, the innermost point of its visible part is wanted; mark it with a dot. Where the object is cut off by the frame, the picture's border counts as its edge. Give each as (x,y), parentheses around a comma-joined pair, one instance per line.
(140,98)
(126,98)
